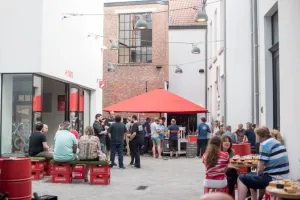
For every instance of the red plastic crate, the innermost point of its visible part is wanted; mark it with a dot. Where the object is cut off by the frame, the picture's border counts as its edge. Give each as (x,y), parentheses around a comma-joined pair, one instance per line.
(61,169)
(37,165)
(37,175)
(61,178)
(100,169)
(78,172)
(48,172)
(99,179)
(48,164)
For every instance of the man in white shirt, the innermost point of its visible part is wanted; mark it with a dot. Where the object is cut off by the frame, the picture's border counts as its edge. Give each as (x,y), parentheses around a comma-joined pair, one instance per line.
(155,138)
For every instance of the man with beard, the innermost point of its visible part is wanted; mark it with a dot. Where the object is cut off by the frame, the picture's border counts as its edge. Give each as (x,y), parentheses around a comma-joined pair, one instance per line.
(135,140)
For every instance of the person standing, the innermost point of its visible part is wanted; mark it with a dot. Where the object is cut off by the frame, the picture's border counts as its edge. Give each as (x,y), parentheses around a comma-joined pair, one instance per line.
(161,131)
(155,138)
(203,133)
(38,146)
(135,138)
(128,127)
(100,131)
(230,134)
(173,131)
(117,131)
(108,123)
(250,136)
(147,135)
(240,133)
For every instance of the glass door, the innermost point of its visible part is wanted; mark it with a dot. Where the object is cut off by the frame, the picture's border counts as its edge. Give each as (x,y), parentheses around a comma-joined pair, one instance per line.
(76,108)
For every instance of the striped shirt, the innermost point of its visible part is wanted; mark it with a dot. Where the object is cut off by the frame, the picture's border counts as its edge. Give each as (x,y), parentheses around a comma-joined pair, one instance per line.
(275,157)
(218,171)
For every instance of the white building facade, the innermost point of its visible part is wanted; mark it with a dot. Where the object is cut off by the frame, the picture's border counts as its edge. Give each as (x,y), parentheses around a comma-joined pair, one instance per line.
(50,69)
(190,84)
(259,64)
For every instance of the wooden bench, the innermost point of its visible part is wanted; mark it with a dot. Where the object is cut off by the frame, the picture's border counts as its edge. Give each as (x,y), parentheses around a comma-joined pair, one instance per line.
(64,172)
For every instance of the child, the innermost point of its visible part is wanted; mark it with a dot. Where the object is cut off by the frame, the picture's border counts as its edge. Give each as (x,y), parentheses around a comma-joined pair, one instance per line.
(216,163)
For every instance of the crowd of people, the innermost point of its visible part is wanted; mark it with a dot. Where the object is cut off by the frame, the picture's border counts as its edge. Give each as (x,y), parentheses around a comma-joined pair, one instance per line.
(273,163)
(108,137)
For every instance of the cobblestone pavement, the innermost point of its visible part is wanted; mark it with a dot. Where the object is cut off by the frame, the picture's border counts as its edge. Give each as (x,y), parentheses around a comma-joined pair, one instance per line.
(178,179)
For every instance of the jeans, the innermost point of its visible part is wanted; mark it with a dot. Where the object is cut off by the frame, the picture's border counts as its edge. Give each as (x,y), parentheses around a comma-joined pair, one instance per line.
(135,153)
(103,147)
(201,144)
(146,145)
(117,148)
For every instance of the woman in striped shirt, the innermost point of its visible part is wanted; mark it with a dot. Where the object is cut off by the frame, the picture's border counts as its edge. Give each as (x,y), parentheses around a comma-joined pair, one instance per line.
(216,163)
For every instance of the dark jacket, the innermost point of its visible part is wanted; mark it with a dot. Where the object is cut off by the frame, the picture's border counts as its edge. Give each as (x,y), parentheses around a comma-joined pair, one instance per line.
(98,128)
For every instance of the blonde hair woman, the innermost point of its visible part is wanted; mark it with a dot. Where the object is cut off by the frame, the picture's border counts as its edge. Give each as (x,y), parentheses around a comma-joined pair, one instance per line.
(276,134)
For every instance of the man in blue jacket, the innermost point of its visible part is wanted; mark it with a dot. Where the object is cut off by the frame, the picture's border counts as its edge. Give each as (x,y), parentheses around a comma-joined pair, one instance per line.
(203,134)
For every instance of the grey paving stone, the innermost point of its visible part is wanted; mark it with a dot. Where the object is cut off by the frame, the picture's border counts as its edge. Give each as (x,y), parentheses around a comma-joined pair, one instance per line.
(178,179)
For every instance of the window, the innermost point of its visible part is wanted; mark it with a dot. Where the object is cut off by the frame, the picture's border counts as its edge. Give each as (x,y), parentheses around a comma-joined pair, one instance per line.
(16,110)
(275,70)
(135,45)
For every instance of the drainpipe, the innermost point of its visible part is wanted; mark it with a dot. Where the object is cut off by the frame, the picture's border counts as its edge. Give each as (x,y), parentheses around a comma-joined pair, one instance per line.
(206,67)
(225,70)
(252,62)
(256,62)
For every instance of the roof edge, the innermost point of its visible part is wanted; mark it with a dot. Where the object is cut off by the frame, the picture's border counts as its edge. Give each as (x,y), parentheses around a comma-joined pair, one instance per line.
(181,27)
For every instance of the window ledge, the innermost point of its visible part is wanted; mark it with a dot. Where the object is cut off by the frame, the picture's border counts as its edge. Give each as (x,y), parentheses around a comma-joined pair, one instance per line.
(135,64)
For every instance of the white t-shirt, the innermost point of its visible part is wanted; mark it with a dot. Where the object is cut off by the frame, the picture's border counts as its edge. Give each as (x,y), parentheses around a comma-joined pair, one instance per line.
(153,128)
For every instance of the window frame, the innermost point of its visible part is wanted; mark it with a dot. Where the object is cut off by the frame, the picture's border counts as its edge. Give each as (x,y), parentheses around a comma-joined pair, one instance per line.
(135,52)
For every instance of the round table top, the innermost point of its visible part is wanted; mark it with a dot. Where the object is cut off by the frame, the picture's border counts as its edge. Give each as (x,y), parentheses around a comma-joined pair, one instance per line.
(273,191)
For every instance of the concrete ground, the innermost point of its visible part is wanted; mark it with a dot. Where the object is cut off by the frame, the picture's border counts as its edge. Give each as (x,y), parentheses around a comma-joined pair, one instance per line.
(179,179)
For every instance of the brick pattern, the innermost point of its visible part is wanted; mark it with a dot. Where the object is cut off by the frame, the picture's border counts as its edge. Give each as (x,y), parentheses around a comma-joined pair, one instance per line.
(183,16)
(130,79)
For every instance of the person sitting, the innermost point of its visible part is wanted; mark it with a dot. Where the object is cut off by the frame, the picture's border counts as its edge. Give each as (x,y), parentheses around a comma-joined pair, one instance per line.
(65,145)
(215,162)
(231,171)
(38,146)
(273,164)
(89,147)
(276,134)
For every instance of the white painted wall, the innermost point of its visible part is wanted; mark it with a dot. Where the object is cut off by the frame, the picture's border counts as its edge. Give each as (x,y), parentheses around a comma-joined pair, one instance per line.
(35,39)
(265,10)
(20,36)
(67,47)
(289,81)
(190,84)
(238,60)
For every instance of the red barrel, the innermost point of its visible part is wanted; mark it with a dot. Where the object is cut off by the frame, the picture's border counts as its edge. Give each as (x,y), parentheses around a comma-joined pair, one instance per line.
(15,178)
(242,149)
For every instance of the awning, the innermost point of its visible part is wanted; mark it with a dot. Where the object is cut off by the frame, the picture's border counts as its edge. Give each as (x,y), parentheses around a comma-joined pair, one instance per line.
(157,101)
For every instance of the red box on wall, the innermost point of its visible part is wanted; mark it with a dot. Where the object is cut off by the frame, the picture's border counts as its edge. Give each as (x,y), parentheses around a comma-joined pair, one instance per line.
(78,172)
(37,165)
(61,169)
(37,175)
(100,169)
(99,179)
(61,178)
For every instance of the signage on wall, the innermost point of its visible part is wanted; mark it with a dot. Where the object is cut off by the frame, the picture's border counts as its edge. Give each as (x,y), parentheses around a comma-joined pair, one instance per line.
(101,83)
(61,102)
(69,73)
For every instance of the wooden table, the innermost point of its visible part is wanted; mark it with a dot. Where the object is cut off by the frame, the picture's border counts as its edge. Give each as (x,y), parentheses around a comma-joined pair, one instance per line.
(281,194)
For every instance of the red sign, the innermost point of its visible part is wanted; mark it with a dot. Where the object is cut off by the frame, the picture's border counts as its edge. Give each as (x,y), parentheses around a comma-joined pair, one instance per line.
(69,73)
(101,83)
(61,102)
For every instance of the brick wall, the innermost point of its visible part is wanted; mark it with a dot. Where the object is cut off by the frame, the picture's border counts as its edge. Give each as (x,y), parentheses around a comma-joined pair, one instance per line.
(130,80)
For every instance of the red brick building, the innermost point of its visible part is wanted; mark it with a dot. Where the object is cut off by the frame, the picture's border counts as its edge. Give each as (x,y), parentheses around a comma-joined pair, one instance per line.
(142,58)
